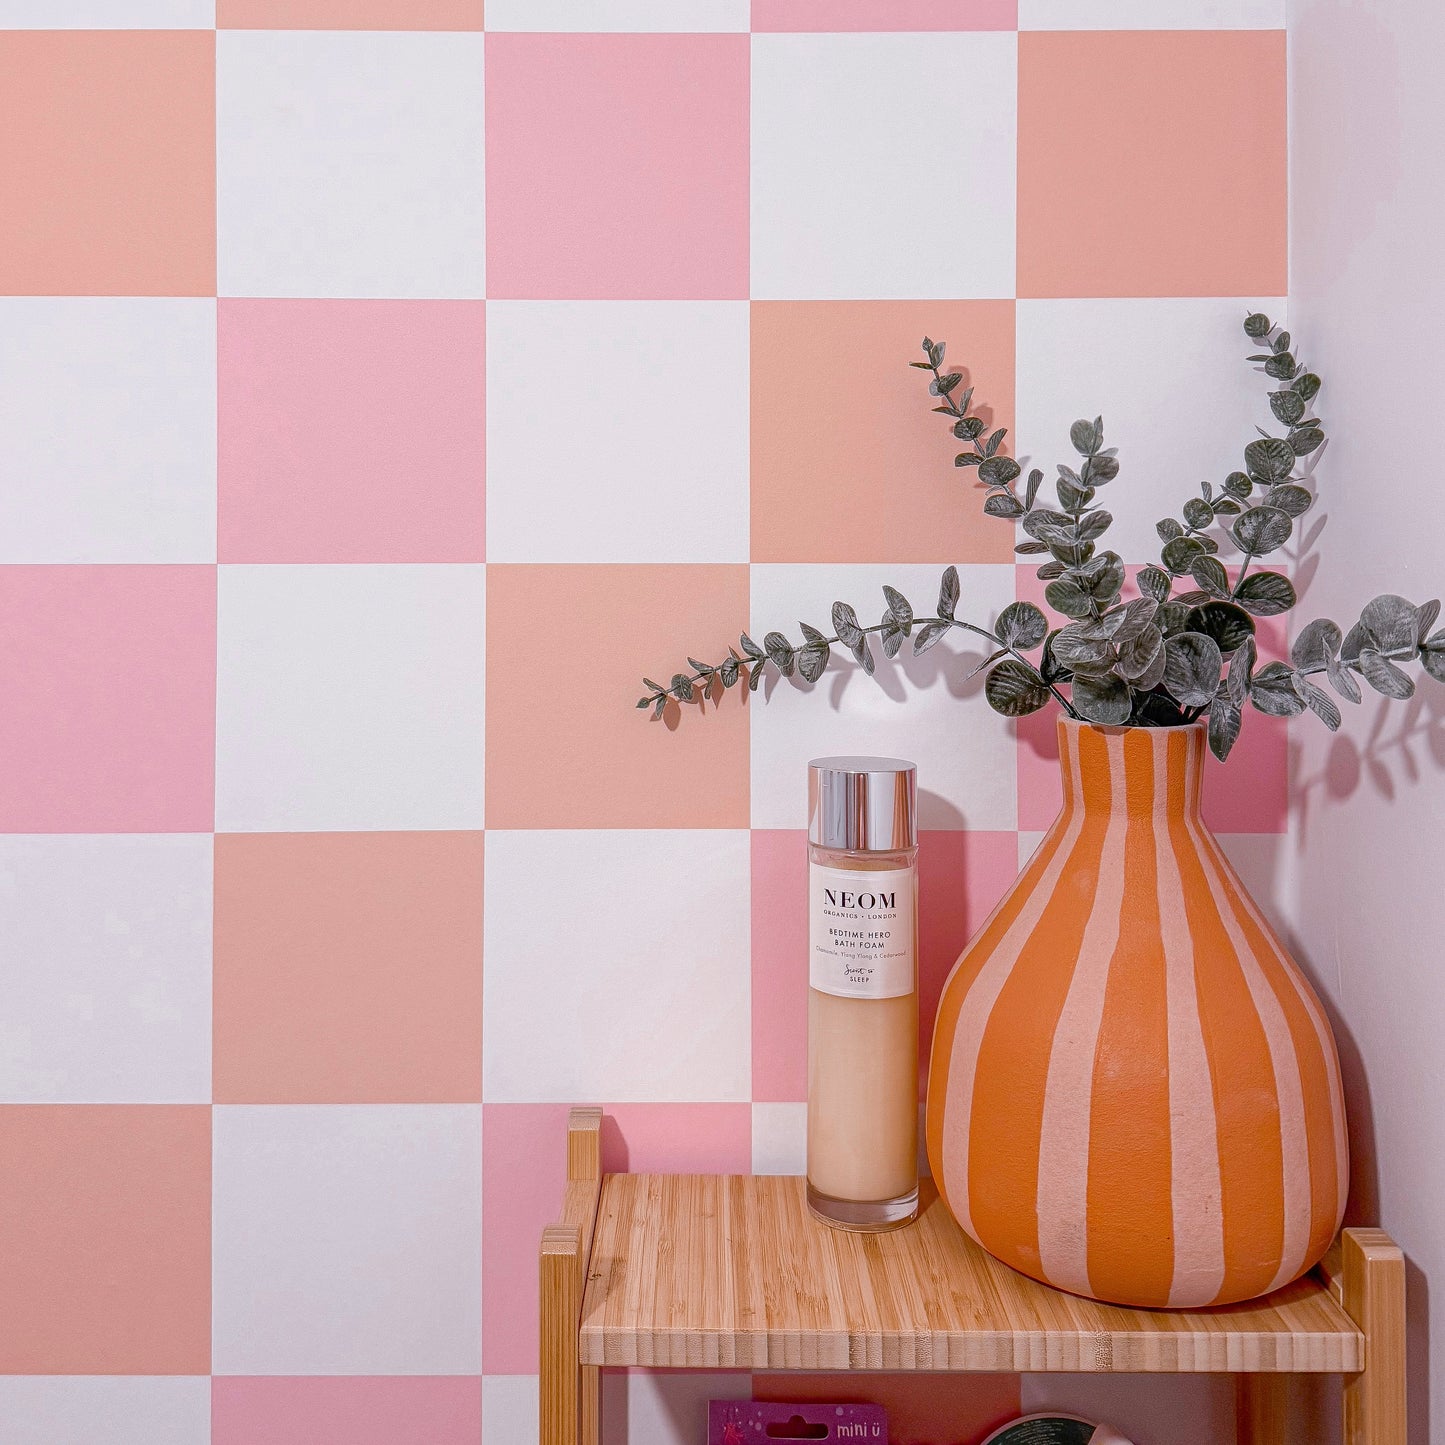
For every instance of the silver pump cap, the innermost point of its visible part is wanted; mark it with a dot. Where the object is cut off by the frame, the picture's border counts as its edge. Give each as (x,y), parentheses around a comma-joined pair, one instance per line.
(863,803)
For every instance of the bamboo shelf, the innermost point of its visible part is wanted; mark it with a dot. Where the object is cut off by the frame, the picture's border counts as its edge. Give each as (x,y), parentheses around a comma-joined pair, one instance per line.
(731,1272)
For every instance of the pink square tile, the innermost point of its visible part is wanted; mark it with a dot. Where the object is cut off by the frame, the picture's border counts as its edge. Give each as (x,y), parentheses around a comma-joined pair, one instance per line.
(1249,794)
(617,166)
(108,723)
(961,875)
(350,431)
(523,1173)
(346,1410)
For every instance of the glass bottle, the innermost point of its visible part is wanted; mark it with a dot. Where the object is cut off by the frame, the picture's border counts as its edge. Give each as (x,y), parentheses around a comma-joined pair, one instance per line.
(863,992)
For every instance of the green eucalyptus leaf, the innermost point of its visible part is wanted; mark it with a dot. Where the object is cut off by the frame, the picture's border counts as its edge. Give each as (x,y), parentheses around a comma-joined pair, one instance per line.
(729,672)
(1323,706)
(1104,700)
(899,607)
(1192,668)
(997,471)
(1307,385)
(1030,549)
(1209,573)
(1425,615)
(812,661)
(1224,720)
(1281,366)
(780,652)
(1179,553)
(892,641)
(1317,643)
(659,707)
(1432,657)
(751,648)
(966,428)
(1238,484)
(682,687)
(1015,689)
(1391,623)
(1172,617)
(1084,438)
(755,676)
(967,459)
(1256,325)
(1306,440)
(845,624)
(811,634)
(1066,596)
(1050,667)
(1343,680)
(1384,676)
(1031,490)
(927,635)
(1272,691)
(1241,670)
(1168,529)
(948,593)
(1262,529)
(1106,578)
(1288,406)
(1155,582)
(1101,468)
(1142,660)
(1198,513)
(1021,625)
(1001,504)
(1093,525)
(863,655)
(1270,458)
(1291,499)
(991,446)
(1266,594)
(1076,650)
(1129,621)
(1227,624)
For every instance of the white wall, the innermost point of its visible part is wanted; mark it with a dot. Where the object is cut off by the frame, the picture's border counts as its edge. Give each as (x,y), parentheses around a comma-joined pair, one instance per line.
(1368,303)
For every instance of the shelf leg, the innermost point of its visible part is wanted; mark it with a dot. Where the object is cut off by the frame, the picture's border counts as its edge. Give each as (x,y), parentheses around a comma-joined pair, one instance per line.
(591,1413)
(1261,1409)
(1374,1297)
(560,1277)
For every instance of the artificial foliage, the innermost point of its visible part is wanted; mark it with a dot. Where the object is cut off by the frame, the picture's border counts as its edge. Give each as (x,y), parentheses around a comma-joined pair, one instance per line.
(1184,648)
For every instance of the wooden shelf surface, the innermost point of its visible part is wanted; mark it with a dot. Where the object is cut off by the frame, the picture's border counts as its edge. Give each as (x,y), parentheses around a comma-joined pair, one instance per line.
(731,1272)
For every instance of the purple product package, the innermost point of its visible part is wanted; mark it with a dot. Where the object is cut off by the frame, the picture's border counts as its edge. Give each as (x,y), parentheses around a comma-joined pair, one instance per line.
(748,1422)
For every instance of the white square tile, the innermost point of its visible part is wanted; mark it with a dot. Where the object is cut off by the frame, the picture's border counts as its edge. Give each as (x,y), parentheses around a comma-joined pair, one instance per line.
(1171,381)
(667,1407)
(107,429)
(673,16)
(349,697)
(923,708)
(780,1138)
(618,967)
(1028,846)
(105,1409)
(645,457)
(349,163)
(1152,15)
(883,165)
(509,1409)
(107,14)
(106,961)
(1265,863)
(347,1239)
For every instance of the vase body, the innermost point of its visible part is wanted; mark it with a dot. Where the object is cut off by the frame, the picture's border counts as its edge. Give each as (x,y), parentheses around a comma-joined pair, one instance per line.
(1134,1094)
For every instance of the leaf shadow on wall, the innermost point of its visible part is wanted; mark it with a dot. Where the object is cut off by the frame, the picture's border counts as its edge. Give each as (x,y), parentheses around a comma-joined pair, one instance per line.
(897,677)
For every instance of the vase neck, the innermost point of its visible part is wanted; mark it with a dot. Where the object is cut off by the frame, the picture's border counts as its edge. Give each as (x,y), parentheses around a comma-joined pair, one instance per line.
(1156,771)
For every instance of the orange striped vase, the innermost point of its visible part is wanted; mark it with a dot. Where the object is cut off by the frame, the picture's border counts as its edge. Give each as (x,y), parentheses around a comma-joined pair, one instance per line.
(1134,1094)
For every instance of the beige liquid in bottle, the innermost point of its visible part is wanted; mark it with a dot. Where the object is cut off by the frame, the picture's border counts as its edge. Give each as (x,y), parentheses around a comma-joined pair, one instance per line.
(863,994)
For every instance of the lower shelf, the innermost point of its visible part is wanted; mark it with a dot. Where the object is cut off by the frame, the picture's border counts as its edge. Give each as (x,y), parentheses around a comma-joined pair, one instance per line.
(731,1272)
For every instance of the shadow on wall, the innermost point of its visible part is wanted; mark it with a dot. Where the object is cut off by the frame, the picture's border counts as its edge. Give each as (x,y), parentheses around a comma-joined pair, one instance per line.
(1403,745)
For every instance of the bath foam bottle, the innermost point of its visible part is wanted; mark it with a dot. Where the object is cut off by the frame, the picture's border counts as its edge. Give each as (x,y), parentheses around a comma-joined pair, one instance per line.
(862,992)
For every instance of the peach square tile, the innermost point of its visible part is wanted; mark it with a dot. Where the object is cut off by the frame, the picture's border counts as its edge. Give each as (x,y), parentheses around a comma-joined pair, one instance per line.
(110,699)
(346,1410)
(1191,203)
(962,1408)
(961,875)
(113,192)
(349,14)
(348,968)
(617,166)
(351,431)
(523,1175)
(849,464)
(105,1240)
(596,760)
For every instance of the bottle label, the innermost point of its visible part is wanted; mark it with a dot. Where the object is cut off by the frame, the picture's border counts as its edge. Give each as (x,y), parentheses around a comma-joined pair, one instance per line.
(861,931)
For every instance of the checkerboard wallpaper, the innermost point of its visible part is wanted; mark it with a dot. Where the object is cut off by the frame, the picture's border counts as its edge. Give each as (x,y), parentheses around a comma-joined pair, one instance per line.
(385,387)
